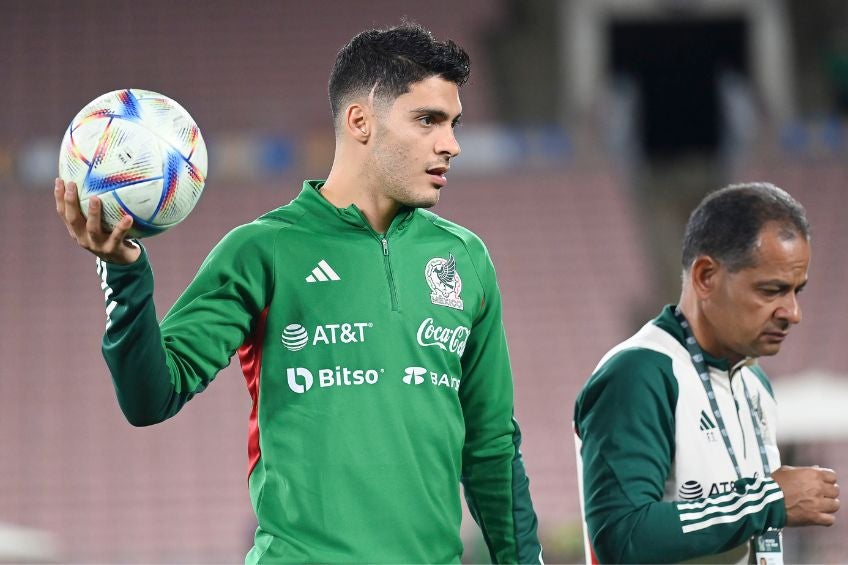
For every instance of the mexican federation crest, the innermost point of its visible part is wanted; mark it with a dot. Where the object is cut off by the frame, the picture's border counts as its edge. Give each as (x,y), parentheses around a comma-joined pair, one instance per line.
(759,413)
(445,283)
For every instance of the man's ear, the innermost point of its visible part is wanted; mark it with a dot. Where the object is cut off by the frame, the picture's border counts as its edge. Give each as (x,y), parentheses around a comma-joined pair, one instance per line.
(357,122)
(704,275)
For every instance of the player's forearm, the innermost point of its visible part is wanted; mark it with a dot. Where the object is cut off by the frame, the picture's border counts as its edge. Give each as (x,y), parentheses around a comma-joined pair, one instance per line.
(525,525)
(132,345)
(669,532)
(498,496)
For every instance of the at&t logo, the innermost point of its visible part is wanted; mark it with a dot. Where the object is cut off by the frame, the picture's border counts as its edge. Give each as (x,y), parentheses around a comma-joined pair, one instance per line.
(690,490)
(301,380)
(295,337)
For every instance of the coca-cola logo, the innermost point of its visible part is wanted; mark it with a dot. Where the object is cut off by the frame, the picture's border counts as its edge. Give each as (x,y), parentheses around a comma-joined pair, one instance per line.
(448,339)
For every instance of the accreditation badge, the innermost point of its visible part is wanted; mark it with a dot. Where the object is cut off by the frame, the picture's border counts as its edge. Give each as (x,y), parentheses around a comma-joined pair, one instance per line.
(768,548)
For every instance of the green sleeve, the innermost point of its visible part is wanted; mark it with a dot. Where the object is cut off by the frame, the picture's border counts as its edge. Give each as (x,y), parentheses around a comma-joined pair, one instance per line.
(624,418)
(157,368)
(495,483)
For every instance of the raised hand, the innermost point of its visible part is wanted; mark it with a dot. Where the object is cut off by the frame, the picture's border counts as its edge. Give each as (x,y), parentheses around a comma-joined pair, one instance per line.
(113,247)
(811,495)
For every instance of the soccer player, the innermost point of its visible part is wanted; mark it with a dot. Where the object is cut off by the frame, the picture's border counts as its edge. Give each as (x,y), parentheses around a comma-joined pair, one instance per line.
(676,427)
(369,332)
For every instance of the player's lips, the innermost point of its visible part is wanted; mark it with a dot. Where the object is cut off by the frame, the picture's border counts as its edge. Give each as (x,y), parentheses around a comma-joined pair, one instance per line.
(437,175)
(776,335)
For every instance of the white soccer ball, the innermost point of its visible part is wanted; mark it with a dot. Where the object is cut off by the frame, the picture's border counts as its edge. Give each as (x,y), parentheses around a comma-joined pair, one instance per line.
(141,153)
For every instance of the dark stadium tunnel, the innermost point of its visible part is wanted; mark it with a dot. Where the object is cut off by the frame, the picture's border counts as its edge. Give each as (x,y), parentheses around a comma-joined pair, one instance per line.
(675,65)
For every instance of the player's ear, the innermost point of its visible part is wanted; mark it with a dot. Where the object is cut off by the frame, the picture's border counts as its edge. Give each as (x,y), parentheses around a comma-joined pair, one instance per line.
(704,275)
(358,122)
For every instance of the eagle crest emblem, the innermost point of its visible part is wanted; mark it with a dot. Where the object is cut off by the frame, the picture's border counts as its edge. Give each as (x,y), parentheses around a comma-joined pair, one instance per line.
(444,281)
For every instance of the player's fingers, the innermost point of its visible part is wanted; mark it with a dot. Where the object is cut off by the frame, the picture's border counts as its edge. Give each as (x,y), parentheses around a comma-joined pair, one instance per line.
(831,505)
(59,196)
(73,214)
(830,491)
(59,188)
(119,232)
(827,475)
(92,224)
(825,519)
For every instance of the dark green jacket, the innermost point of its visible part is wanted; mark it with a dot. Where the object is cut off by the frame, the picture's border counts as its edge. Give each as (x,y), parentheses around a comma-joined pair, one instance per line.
(379,373)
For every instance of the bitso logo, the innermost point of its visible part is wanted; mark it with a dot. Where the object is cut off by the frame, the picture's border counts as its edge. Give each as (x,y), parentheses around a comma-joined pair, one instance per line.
(293,375)
(447,339)
(295,337)
(690,490)
(336,377)
(444,281)
(414,375)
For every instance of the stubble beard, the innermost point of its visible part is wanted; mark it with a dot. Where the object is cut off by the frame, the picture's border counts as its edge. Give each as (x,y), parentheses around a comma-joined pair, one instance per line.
(386,161)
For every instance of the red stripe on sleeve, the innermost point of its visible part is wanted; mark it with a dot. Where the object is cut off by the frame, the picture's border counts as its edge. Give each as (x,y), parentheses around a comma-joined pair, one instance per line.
(250,356)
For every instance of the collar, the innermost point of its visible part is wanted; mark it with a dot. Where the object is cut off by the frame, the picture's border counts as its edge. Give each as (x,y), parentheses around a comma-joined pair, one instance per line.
(310,198)
(668,323)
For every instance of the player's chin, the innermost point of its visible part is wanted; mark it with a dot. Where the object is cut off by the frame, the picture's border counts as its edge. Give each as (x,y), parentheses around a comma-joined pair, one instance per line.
(767,349)
(426,199)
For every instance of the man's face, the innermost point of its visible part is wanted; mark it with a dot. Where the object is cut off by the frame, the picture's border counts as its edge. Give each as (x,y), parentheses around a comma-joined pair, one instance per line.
(414,142)
(749,312)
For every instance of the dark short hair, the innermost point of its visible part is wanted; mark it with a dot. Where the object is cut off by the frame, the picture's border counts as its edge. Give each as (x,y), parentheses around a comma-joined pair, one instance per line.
(392,60)
(727,223)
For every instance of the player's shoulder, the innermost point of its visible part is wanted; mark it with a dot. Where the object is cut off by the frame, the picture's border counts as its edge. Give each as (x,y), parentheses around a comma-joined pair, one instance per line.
(450,229)
(630,379)
(633,366)
(641,362)
(649,346)
(271,221)
(261,233)
(281,217)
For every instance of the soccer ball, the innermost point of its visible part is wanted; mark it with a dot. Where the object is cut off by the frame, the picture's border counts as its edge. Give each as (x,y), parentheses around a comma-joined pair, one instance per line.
(141,153)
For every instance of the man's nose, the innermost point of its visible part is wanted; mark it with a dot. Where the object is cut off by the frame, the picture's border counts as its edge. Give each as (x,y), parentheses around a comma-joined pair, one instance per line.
(790,309)
(448,144)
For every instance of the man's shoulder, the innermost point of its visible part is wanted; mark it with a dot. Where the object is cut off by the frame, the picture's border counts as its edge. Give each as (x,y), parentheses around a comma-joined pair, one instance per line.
(452,229)
(641,363)
(259,233)
(271,221)
(651,345)
(636,374)
(283,216)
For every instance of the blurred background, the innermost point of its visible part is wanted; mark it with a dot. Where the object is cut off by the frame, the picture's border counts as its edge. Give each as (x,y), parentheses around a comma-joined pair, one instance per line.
(591,129)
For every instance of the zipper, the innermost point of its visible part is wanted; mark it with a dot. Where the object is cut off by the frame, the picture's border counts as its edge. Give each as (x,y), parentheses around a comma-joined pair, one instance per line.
(397,223)
(738,415)
(389,275)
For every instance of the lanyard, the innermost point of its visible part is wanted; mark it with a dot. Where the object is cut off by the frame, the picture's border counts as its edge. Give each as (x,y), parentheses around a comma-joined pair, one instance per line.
(697,356)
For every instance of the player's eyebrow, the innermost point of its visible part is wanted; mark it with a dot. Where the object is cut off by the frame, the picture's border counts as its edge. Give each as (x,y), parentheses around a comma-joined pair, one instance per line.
(436,113)
(781,284)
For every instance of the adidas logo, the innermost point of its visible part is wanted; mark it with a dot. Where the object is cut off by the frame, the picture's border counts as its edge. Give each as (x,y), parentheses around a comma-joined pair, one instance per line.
(323,273)
(414,375)
(706,422)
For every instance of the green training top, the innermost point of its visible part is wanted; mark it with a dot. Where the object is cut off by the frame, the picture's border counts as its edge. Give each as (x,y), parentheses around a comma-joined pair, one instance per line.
(658,485)
(379,373)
